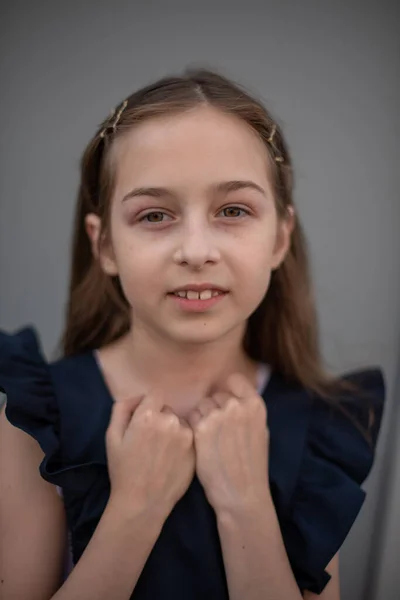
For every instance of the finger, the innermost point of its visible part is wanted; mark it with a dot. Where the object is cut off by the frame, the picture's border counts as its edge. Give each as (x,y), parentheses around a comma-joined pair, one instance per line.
(168,410)
(184,422)
(194,417)
(206,406)
(121,416)
(153,402)
(221,398)
(238,385)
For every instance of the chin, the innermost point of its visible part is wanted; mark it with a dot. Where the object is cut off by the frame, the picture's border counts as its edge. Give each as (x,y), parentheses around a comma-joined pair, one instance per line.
(202,332)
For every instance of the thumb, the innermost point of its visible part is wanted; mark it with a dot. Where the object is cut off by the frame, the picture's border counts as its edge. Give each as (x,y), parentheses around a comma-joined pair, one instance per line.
(121,416)
(153,402)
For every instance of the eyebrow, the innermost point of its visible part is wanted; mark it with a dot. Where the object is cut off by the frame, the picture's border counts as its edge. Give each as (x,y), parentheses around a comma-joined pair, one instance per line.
(223,186)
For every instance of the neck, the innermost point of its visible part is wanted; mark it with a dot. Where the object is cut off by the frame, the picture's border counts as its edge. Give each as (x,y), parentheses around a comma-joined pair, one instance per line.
(184,373)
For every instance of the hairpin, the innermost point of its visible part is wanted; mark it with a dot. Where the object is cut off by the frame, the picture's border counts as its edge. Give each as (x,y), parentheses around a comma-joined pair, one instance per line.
(117,115)
(270,141)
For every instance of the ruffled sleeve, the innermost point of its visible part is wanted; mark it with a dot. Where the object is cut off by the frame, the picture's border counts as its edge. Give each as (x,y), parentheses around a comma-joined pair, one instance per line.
(31,402)
(338,456)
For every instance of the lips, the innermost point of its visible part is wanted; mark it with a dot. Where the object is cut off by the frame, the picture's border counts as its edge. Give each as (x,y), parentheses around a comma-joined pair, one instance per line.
(199,287)
(193,295)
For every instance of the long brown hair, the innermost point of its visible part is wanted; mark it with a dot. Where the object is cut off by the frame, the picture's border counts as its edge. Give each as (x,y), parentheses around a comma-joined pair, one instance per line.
(283,330)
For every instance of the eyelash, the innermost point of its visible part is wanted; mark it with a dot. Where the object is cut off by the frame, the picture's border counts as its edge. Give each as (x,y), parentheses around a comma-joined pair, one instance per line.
(160,212)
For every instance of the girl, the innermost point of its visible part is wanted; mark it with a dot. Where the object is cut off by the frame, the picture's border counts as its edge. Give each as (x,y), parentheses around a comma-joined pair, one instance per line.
(190,318)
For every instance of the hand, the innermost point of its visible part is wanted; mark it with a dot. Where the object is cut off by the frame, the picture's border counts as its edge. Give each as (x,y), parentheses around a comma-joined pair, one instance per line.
(231,443)
(150,455)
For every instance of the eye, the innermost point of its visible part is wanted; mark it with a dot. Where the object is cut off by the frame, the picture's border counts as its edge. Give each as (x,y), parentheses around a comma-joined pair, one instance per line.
(234,212)
(156,216)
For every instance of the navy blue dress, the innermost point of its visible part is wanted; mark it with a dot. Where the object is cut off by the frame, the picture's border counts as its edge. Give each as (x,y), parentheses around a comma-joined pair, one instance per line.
(319,457)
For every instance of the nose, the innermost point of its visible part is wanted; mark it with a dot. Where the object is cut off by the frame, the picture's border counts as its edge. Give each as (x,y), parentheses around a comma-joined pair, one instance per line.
(196,246)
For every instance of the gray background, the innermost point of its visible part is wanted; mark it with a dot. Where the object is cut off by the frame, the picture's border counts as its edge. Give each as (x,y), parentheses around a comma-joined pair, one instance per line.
(328,70)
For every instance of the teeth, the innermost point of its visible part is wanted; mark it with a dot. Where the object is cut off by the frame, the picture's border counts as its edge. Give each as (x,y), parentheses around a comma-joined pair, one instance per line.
(205,295)
(192,295)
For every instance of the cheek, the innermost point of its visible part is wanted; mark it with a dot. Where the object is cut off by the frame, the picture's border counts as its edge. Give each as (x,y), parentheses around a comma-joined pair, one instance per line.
(255,248)
(256,280)
(137,280)
(133,262)
(254,260)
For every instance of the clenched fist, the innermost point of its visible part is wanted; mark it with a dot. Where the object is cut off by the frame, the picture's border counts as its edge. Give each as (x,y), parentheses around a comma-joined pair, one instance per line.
(231,443)
(150,454)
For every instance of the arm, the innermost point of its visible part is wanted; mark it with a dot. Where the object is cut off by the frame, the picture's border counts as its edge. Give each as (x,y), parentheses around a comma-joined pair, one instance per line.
(113,560)
(256,563)
(231,443)
(32,521)
(33,535)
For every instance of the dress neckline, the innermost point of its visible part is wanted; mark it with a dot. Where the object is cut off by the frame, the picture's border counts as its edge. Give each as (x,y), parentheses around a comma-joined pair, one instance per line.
(264,376)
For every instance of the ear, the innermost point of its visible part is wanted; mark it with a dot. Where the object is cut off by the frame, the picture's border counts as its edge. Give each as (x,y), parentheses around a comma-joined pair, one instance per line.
(283,236)
(101,249)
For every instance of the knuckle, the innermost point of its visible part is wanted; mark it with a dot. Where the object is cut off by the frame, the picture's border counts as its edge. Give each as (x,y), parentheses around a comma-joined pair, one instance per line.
(146,421)
(201,427)
(232,405)
(213,416)
(147,417)
(170,421)
(258,405)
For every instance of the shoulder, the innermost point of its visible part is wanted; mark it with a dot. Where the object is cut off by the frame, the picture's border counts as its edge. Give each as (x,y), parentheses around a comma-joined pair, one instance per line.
(49,401)
(343,427)
(321,453)
(26,376)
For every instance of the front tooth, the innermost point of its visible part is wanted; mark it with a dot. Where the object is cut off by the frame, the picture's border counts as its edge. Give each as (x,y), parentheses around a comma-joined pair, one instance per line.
(205,295)
(181,294)
(192,295)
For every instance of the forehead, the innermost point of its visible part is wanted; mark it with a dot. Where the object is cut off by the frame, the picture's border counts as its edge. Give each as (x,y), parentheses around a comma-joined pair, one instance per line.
(196,147)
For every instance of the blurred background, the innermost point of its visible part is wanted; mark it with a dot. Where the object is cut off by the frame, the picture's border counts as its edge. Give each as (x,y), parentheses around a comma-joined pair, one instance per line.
(330,73)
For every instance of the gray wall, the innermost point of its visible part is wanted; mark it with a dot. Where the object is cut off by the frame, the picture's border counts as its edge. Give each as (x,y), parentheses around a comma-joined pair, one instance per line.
(330,72)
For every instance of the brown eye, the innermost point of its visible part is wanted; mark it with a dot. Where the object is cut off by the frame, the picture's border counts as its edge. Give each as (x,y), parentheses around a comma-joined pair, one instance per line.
(154,217)
(234,212)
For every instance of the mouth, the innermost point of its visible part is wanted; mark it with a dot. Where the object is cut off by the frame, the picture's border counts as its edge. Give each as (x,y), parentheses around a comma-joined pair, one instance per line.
(204,291)
(190,299)
(194,295)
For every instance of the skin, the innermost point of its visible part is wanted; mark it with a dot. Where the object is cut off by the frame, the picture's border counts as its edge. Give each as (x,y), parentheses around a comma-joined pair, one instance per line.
(173,224)
(195,234)
(184,391)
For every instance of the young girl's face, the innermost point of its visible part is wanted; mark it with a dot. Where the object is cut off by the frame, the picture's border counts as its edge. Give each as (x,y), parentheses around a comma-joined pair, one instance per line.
(193,206)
